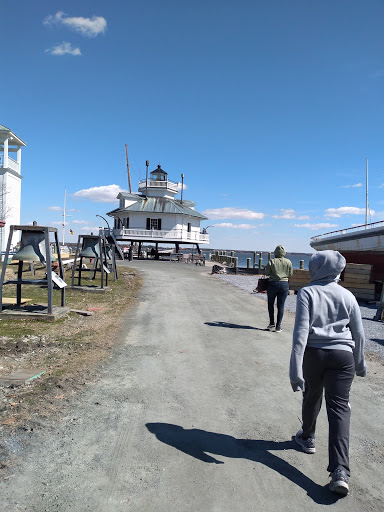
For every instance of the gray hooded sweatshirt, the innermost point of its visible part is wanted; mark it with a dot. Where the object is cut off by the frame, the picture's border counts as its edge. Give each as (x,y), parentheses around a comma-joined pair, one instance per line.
(327,316)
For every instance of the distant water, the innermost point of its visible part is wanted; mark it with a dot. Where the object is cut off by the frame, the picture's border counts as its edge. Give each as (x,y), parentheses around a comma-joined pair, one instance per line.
(295,258)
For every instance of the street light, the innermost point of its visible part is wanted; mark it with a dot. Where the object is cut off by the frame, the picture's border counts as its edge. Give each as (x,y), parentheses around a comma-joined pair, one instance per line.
(109,227)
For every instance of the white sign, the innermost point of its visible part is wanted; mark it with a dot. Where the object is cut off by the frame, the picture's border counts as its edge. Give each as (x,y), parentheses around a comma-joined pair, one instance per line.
(106,269)
(57,280)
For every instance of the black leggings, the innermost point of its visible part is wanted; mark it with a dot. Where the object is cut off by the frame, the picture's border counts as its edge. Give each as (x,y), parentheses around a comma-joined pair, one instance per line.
(332,370)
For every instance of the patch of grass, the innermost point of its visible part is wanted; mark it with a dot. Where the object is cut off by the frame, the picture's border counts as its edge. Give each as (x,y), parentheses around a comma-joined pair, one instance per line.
(69,349)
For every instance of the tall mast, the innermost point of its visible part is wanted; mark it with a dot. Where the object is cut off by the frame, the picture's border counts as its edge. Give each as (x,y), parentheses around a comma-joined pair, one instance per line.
(129,175)
(366,195)
(65,194)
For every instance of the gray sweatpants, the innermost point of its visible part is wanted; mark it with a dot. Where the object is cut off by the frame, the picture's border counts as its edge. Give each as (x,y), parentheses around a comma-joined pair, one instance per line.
(333,371)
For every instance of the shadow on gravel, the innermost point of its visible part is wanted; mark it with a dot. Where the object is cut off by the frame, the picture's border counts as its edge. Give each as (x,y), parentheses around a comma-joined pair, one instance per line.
(233,326)
(378,340)
(197,443)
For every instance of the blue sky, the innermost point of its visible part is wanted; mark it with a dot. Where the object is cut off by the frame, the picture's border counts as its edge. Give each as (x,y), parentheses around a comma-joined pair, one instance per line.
(269,108)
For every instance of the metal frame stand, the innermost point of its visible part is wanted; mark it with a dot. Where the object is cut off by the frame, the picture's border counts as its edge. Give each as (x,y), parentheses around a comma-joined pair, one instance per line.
(48,261)
(96,268)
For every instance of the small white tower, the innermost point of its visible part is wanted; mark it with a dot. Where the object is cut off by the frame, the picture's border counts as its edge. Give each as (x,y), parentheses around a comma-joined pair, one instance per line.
(10,183)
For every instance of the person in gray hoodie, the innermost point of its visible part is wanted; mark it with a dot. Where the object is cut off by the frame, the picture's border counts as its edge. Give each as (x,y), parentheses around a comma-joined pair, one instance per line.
(327,351)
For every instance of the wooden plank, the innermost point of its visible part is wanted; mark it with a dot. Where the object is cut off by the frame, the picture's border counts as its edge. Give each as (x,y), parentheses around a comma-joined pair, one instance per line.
(349,284)
(20,377)
(358,277)
(81,312)
(358,271)
(13,300)
(361,266)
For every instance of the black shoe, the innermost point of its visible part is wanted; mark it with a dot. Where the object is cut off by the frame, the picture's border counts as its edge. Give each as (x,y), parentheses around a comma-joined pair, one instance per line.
(339,482)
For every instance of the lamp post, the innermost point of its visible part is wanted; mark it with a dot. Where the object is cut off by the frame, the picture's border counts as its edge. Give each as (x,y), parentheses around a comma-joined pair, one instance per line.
(109,227)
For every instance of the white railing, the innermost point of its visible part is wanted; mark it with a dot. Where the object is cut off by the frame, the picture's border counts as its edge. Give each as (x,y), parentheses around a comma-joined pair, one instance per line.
(169,185)
(12,164)
(172,234)
(347,231)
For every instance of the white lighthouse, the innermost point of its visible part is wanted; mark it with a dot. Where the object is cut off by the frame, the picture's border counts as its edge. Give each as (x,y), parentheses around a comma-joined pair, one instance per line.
(10,183)
(154,215)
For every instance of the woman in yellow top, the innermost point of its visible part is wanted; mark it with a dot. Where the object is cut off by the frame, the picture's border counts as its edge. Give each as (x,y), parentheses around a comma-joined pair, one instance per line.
(278,269)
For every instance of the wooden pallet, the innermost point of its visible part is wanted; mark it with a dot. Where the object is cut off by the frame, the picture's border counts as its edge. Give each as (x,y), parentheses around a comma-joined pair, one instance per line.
(356,279)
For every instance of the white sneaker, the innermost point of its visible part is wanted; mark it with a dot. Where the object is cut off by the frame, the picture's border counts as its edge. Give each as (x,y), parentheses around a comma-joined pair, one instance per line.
(278,329)
(270,327)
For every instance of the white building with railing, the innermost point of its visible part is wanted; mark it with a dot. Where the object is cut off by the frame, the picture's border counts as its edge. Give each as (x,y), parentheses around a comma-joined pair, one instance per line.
(10,183)
(154,216)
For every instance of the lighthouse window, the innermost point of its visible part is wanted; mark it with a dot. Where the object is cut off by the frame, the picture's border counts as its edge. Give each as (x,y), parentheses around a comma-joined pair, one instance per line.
(154,224)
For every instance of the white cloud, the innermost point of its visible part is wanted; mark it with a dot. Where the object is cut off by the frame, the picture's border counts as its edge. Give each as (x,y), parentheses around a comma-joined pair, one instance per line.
(79,221)
(381,186)
(356,185)
(103,194)
(345,210)
(235,226)
(62,49)
(232,213)
(58,223)
(320,225)
(90,27)
(54,208)
(179,186)
(90,229)
(290,214)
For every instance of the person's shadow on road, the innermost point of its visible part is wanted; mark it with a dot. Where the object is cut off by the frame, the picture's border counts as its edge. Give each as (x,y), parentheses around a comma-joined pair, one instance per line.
(198,443)
(233,326)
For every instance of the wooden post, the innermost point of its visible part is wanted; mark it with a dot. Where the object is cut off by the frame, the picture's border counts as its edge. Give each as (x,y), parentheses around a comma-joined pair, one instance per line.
(248,262)
(48,266)
(254,260)
(260,260)
(236,262)
(301,264)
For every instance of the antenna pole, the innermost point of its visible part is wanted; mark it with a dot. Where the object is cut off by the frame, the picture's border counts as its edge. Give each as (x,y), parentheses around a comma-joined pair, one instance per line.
(366,195)
(146,178)
(129,175)
(182,187)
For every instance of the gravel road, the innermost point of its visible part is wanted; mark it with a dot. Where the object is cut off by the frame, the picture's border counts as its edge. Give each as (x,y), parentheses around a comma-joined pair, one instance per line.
(374,331)
(193,412)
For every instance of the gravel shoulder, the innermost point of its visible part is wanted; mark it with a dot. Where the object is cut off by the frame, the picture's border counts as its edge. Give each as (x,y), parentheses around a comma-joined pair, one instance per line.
(193,411)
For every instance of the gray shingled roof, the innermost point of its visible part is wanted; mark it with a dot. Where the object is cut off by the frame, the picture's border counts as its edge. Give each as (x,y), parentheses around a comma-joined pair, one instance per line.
(160,205)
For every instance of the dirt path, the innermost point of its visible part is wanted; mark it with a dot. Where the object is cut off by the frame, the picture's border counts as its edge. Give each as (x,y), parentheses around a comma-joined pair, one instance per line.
(194,412)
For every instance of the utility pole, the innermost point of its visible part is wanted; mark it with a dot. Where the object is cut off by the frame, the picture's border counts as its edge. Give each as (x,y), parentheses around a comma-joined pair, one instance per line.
(366,195)
(65,195)
(129,175)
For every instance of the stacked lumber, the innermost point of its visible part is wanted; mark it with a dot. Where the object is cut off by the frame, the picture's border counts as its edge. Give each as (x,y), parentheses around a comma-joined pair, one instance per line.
(298,279)
(356,279)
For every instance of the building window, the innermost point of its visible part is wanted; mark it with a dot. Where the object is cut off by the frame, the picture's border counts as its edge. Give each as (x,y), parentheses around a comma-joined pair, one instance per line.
(189,227)
(154,224)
